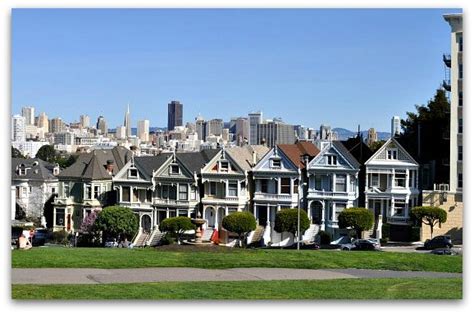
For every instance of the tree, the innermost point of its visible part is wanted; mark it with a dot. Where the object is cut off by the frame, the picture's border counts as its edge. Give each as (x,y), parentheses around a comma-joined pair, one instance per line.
(46,153)
(177,226)
(89,233)
(376,145)
(287,220)
(358,219)
(116,221)
(241,223)
(16,153)
(66,161)
(429,216)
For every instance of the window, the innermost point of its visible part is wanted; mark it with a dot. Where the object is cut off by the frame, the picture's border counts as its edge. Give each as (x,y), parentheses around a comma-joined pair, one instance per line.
(88,192)
(460,44)
(142,195)
(133,173)
(96,191)
(66,189)
(460,99)
(318,183)
(340,183)
(460,125)
(264,186)
(412,178)
(233,185)
(375,180)
(22,171)
(172,192)
(275,163)
(183,212)
(331,160)
(285,185)
(165,191)
(148,195)
(126,194)
(174,169)
(224,166)
(212,188)
(460,71)
(400,178)
(339,208)
(135,195)
(296,186)
(391,154)
(399,207)
(193,192)
(460,152)
(183,191)
(460,180)
(59,216)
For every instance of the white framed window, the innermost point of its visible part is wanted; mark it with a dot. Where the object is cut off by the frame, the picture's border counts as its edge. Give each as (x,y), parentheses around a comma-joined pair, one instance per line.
(392,153)
(375,177)
(340,183)
(275,163)
(285,185)
(88,192)
(193,193)
(60,215)
(183,191)
(400,178)
(233,185)
(125,194)
(174,169)
(132,173)
(22,171)
(338,209)
(399,207)
(224,166)
(97,191)
(331,160)
(212,188)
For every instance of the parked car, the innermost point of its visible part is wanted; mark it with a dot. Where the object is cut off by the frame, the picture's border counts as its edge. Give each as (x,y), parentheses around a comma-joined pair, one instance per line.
(438,242)
(342,240)
(40,236)
(111,242)
(361,245)
(443,251)
(16,233)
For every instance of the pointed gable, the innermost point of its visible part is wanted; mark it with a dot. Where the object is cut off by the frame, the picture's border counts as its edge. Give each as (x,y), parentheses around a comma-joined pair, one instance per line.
(392,152)
(223,163)
(276,161)
(335,156)
(297,152)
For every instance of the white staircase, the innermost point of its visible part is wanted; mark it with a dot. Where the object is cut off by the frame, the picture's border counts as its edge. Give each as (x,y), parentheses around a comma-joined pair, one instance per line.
(155,238)
(140,240)
(310,233)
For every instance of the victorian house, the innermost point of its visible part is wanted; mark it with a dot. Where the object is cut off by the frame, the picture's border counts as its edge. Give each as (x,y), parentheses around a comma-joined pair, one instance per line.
(332,185)
(391,188)
(86,186)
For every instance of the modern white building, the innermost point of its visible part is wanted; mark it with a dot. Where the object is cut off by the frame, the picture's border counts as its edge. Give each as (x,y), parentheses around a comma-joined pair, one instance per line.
(18,128)
(143,130)
(396,126)
(29,114)
(85,121)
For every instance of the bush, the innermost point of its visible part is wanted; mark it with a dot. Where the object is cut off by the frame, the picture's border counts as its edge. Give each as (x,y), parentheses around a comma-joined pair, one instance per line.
(415,234)
(386,231)
(177,226)
(241,223)
(286,220)
(61,237)
(116,222)
(325,237)
(358,219)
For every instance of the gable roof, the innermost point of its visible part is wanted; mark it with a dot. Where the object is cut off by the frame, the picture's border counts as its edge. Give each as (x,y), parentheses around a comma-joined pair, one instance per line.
(151,163)
(358,149)
(349,157)
(295,151)
(195,161)
(243,156)
(36,169)
(390,141)
(92,166)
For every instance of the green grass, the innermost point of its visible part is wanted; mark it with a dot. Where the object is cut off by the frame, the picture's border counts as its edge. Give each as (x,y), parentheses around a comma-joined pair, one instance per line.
(362,289)
(230,258)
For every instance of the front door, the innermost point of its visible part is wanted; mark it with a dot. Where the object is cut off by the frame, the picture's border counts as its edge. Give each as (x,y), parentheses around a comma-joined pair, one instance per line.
(146,223)
(262,215)
(210,217)
(316,213)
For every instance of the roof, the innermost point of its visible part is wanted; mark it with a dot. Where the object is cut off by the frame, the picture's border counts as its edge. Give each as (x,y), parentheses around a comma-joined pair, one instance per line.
(358,149)
(295,151)
(195,161)
(36,169)
(92,165)
(243,155)
(343,150)
(151,163)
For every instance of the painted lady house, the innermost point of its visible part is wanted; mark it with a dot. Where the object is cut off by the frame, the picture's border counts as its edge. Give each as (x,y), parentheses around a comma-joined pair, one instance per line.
(392,189)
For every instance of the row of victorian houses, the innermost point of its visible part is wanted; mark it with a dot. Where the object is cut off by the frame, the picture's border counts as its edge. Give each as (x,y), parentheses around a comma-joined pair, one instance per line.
(322,179)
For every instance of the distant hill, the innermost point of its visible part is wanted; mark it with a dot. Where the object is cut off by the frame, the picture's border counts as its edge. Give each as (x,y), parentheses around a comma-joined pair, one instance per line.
(344,134)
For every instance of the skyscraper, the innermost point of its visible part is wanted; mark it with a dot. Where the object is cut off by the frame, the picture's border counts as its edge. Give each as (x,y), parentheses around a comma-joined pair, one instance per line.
(29,114)
(126,122)
(143,130)
(214,127)
(43,122)
(255,118)
(396,126)
(274,132)
(175,114)
(241,130)
(85,121)
(201,128)
(56,125)
(102,125)
(18,128)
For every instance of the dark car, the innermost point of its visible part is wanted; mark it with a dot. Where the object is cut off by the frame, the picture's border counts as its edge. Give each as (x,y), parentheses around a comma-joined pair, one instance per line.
(438,242)
(40,236)
(361,245)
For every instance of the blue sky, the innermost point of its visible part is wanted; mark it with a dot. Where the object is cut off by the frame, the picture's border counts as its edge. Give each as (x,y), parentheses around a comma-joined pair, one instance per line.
(339,67)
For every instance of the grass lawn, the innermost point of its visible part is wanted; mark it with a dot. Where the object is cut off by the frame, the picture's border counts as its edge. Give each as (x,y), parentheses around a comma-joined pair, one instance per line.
(413,288)
(222,257)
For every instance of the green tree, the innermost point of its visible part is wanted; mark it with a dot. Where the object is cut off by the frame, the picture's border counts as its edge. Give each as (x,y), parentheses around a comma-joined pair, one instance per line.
(425,134)
(429,215)
(241,223)
(356,218)
(66,161)
(177,226)
(47,153)
(116,221)
(286,220)
(376,145)
(16,153)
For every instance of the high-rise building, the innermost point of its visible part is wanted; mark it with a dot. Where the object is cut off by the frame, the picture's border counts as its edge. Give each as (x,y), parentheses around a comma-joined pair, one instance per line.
(201,128)
(453,84)
(255,118)
(371,136)
(18,128)
(175,114)
(242,131)
(29,114)
(56,125)
(126,123)
(396,126)
(143,130)
(120,132)
(85,121)
(214,127)
(273,133)
(43,122)
(102,125)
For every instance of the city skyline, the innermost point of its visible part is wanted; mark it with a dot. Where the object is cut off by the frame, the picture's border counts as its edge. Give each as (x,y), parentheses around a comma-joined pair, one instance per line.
(235,66)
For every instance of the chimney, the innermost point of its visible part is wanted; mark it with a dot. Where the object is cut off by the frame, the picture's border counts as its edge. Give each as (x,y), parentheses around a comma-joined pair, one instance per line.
(110,166)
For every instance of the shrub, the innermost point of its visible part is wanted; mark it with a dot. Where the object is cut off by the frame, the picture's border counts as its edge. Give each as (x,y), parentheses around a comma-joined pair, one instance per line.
(359,219)
(286,220)
(177,226)
(61,237)
(241,223)
(429,216)
(325,237)
(116,222)
(385,231)
(415,234)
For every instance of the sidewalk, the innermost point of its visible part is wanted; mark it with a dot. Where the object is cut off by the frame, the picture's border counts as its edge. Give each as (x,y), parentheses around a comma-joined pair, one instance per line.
(140,275)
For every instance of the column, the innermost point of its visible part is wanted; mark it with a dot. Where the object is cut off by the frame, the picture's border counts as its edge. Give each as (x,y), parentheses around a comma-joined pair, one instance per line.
(367,183)
(348,183)
(268,214)
(407,180)
(323,217)
(393,178)
(333,208)
(278,187)
(333,182)
(392,207)
(255,211)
